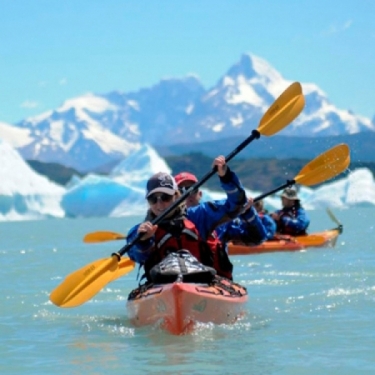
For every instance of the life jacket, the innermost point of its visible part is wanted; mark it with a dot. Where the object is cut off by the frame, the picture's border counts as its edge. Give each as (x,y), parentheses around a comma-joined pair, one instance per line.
(282,229)
(182,234)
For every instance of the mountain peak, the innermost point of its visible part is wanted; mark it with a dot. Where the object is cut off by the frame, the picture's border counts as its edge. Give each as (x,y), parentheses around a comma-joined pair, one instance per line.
(251,66)
(92,131)
(244,67)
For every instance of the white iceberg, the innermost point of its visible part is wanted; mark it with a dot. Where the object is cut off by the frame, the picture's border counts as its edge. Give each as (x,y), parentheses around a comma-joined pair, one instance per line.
(24,194)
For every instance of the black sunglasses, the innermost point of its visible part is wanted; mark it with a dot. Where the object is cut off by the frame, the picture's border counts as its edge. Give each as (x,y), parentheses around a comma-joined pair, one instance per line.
(184,189)
(152,199)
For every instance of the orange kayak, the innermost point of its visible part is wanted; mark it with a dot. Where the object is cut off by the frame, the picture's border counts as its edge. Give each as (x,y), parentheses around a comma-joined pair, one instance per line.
(326,238)
(178,306)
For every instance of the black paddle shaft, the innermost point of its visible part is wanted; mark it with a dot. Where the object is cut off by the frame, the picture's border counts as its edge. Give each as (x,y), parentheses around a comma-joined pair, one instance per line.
(255,134)
(287,184)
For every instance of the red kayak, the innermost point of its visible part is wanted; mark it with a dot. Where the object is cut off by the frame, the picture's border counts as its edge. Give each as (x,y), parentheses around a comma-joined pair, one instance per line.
(178,306)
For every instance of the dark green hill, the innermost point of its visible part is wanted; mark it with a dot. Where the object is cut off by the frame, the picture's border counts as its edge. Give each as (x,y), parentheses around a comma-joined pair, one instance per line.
(255,174)
(280,147)
(54,171)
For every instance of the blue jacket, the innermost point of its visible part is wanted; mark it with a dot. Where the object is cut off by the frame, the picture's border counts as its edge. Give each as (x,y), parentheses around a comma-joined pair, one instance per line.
(248,228)
(293,221)
(207,216)
(269,225)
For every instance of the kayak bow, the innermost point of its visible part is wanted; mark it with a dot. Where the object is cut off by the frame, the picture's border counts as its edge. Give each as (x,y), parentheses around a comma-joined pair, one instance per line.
(179,306)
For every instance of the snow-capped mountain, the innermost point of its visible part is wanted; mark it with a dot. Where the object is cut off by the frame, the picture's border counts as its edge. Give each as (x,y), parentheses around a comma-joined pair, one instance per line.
(77,134)
(94,130)
(235,105)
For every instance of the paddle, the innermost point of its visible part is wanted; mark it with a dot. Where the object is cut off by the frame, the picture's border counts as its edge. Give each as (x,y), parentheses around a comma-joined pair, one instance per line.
(86,282)
(334,219)
(83,284)
(102,236)
(125,265)
(311,240)
(324,167)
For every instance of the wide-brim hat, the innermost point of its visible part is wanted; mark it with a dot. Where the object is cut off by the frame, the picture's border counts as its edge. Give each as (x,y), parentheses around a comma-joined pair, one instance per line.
(161,183)
(290,193)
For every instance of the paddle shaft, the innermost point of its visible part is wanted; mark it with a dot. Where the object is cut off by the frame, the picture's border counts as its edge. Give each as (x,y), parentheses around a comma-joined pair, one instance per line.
(255,134)
(287,184)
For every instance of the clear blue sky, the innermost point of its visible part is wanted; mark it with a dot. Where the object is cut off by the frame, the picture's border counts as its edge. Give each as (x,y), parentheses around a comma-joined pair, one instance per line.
(52,50)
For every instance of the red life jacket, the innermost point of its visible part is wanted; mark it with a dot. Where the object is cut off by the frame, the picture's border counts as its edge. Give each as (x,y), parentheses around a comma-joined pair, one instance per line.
(209,252)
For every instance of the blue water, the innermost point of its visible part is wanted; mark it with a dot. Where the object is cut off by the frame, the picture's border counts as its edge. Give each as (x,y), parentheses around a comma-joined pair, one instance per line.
(310,312)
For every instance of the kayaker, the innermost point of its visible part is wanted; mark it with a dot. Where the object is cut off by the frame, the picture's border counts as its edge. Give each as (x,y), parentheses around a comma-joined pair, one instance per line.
(187,228)
(291,219)
(247,228)
(267,221)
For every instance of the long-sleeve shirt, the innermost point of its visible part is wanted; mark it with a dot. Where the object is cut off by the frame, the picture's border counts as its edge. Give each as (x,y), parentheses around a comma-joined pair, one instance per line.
(293,221)
(269,225)
(248,228)
(207,216)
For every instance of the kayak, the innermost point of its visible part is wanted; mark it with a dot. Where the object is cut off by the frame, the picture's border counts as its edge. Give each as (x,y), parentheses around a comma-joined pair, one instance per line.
(179,306)
(325,238)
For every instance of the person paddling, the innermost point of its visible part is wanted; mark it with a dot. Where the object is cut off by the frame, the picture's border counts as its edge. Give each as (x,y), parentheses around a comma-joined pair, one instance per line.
(248,228)
(291,219)
(186,228)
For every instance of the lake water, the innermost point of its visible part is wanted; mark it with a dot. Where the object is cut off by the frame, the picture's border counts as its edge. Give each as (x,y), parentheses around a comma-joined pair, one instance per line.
(310,312)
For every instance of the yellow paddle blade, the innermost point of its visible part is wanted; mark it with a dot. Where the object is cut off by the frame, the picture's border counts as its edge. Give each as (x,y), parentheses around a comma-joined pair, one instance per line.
(324,167)
(125,266)
(102,236)
(83,284)
(311,240)
(283,111)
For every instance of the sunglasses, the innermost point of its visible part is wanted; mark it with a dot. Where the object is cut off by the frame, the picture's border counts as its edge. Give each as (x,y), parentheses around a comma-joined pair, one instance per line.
(184,189)
(152,199)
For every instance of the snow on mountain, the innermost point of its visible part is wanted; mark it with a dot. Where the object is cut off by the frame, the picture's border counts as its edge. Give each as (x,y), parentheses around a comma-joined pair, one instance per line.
(236,102)
(23,193)
(75,135)
(15,136)
(94,131)
(320,117)
(159,111)
(235,105)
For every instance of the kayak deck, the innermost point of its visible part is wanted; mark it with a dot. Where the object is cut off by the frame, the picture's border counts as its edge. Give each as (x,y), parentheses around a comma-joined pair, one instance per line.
(326,238)
(179,306)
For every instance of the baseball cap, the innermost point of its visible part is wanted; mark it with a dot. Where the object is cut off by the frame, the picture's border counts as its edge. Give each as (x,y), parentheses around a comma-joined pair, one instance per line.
(185,176)
(161,182)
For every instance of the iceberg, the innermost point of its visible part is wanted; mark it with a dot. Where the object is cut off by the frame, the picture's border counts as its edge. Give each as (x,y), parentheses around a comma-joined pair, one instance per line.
(24,194)
(138,167)
(355,190)
(121,193)
(96,196)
